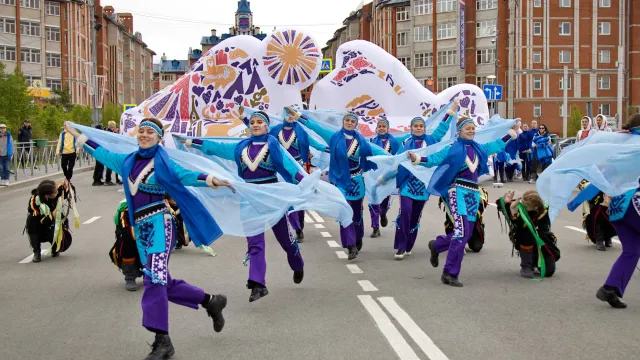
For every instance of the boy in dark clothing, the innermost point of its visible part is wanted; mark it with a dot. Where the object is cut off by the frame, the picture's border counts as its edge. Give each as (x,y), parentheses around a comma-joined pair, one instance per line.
(124,253)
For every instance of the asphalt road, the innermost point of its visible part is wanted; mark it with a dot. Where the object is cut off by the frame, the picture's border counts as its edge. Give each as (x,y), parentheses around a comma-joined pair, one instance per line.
(75,306)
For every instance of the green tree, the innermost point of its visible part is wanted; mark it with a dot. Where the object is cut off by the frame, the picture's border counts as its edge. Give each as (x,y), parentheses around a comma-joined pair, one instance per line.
(16,104)
(80,115)
(49,121)
(574,121)
(111,112)
(62,99)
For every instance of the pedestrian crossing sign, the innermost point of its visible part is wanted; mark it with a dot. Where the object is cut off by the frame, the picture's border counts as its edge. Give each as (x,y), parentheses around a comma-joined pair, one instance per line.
(327,66)
(129,106)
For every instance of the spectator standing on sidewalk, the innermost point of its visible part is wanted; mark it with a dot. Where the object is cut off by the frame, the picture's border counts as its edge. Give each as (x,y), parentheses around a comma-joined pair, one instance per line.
(99,169)
(6,150)
(67,150)
(111,127)
(24,139)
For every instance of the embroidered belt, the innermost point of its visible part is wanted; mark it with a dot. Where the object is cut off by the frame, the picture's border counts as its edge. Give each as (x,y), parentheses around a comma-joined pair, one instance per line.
(149,210)
(269,180)
(467,184)
(151,189)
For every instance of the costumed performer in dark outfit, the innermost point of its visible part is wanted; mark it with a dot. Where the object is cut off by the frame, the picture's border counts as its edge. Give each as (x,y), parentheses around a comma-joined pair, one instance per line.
(124,253)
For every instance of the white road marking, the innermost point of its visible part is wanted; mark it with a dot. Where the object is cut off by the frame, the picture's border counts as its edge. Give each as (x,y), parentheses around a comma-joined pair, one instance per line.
(30,257)
(420,337)
(333,244)
(308,218)
(390,332)
(325,234)
(354,269)
(319,226)
(316,216)
(341,254)
(615,239)
(367,285)
(91,220)
(492,204)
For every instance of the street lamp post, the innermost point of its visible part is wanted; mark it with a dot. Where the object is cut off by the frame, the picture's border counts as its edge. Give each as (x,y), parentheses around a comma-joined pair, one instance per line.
(494,41)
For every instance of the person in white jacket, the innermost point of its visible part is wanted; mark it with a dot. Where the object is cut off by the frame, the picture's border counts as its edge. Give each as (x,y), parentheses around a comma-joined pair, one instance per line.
(601,124)
(586,124)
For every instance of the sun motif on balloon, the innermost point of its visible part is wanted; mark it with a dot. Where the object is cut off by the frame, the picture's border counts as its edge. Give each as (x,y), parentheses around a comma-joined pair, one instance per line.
(291,58)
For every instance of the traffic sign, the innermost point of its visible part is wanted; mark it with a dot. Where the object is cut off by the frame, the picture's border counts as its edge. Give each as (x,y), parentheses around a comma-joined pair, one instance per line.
(129,106)
(492,91)
(327,66)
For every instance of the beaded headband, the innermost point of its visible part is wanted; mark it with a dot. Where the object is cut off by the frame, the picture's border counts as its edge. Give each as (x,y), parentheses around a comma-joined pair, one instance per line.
(463,123)
(383,121)
(354,116)
(261,116)
(151,125)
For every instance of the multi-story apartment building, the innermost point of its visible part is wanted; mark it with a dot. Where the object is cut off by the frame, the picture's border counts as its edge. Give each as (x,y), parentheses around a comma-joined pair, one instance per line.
(168,71)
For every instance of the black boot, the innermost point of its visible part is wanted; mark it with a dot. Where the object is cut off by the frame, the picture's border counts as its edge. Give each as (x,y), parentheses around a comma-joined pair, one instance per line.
(36,257)
(608,242)
(600,245)
(130,272)
(35,245)
(298,276)
(384,221)
(178,246)
(375,233)
(610,296)
(434,254)
(353,252)
(300,236)
(161,348)
(450,280)
(214,310)
(359,244)
(257,293)
(526,264)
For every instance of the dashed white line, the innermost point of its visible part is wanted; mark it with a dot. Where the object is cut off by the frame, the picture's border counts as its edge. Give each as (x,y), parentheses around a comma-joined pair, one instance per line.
(91,220)
(325,234)
(367,285)
(308,219)
(30,257)
(420,337)
(492,204)
(333,244)
(319,226)
(576,229)
(354,269)
(342,254)
(390,332)
(316,216)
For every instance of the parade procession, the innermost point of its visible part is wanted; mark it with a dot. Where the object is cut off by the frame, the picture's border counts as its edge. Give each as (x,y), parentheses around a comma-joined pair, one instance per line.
(397,222)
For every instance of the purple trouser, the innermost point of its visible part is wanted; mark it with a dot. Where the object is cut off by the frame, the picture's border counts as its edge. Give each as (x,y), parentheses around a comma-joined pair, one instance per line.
(628,229)
(456,240)
(296,219)
(156,297)
(378,210)
(257,262)
(349,234)
(408,223)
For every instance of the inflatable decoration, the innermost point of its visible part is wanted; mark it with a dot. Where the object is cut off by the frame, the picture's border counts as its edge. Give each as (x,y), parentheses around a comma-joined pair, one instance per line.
(373,83)
(240,71)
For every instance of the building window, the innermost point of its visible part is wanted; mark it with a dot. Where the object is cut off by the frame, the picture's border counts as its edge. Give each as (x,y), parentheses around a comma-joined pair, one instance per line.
(486,4)
(605,3)
(562,109)
(54,84)
(447,57)
(568,83)
(565,28)
(565,3)
(537,110)
(53,60)
(33,4)
(537,3)
(167,78)
(422,33)
(604,56)
(565,56)
(446,31)
(7,53)
(485,56)
(604,109)
(604,83)
(402,13)
(537,56)
(485,28)
(446,82)
(7,26)
(53,33)
(481,80)
(30,28)
(402,39)
(29,79)
(423,60)
(30,55)
(52,8)
(537,83)
(604,28)
(445,5)
(406,61)
(422,7)
(8,2)
(537,28)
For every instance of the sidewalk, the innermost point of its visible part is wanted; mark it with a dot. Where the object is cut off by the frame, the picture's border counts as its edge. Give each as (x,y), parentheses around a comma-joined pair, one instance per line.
(25,178)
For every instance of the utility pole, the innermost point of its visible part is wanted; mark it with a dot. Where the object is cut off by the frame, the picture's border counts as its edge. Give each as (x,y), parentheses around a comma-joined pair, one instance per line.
(96,116)
(620,110)
(565,86)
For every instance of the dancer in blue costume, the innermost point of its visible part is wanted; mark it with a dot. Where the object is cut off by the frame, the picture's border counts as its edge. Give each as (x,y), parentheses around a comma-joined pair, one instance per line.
(524,148)
(294,138)
(413,192)
(260,159)
(456,179)
(543,151)
(349,151)
(511,150)
(149,173)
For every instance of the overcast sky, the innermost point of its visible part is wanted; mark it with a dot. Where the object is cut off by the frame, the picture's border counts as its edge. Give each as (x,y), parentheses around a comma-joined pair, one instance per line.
(172,26)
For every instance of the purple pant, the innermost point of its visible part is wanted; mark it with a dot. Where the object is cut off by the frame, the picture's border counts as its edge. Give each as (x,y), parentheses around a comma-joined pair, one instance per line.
(455,241)
(378,210)
(257,262)
(349,234)
(408,223)
(156,297)
(296,219)
(628,229)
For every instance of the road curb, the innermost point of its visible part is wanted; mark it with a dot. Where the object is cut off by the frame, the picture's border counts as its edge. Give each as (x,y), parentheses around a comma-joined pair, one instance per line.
(29,182)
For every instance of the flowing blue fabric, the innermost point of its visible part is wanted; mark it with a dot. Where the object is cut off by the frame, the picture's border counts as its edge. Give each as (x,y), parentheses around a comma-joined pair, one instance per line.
(585,195)
(274,153)
(543,150)
(403,174)
(446,172)
(339,171)
(203,229)
(393,142)
(301,135)
(607,160)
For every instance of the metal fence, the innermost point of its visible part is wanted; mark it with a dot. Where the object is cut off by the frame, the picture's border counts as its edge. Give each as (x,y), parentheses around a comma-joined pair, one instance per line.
(40,157)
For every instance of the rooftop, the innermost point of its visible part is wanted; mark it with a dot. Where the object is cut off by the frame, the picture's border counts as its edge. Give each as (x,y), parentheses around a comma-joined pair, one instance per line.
(172,66)
(244,7)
